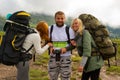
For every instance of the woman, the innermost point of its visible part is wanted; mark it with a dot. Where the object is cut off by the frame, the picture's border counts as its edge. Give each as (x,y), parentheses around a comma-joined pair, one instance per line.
(90,65)
(33,39)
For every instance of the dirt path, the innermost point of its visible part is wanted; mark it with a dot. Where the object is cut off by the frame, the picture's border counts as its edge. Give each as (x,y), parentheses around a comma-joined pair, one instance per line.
(108,77)
(9,73)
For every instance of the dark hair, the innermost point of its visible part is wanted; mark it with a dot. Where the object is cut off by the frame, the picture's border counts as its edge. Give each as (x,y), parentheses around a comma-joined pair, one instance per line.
(59,13)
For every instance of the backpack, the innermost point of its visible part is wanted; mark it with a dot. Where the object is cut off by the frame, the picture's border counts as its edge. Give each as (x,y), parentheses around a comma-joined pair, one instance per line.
(16,29)
(67,32)
(101,36)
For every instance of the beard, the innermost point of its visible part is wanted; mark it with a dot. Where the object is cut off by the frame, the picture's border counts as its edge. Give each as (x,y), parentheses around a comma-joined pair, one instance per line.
(59,25)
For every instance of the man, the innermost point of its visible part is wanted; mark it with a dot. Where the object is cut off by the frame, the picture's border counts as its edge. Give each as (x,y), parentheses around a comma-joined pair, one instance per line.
(60,56)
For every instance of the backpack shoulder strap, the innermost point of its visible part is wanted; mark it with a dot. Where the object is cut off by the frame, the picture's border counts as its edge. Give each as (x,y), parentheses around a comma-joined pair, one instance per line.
(51,30)
(67,32)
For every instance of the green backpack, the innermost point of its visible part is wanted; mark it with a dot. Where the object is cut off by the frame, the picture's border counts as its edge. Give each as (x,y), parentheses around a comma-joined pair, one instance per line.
(101,36)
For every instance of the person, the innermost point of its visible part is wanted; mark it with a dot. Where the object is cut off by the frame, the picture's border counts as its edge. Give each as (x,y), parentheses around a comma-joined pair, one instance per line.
(33,39)
(90,66)
(60,56)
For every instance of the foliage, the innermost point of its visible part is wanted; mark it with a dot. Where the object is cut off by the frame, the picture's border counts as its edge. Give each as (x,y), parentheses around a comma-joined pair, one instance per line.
(2,33)
(2,22)
(36,74)
(36,17)
(117,40)
(114,70)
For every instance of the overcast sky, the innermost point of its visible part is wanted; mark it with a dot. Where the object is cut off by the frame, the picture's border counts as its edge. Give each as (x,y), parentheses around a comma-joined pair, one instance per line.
(108,11)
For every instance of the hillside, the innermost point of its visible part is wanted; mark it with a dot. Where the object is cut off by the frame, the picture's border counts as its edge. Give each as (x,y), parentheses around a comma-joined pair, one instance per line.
(36,17)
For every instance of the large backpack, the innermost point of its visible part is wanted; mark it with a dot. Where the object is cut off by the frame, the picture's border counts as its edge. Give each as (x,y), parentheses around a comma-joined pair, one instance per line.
(101,36)
(16,29)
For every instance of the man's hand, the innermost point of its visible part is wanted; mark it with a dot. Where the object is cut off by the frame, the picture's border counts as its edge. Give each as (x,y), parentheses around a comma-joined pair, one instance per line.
(63,50)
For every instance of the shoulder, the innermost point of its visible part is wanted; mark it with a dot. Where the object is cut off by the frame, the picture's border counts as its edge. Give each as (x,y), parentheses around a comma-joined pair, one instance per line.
(33,35)
(86,32)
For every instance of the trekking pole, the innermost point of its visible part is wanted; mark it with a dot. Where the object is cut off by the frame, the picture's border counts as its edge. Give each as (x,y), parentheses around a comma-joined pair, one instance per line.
(108,63)
(34,58)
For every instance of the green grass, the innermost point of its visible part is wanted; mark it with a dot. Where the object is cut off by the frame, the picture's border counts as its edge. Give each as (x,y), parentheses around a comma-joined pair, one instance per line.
(2,33)
(36,74)
(40,72)
(42,59)
(114,69)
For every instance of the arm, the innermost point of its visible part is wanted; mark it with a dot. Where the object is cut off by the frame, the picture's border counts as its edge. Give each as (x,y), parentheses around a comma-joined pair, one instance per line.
(70,47)
(72,36)
(82,64)
(86,50)
(37,44)
(86,44)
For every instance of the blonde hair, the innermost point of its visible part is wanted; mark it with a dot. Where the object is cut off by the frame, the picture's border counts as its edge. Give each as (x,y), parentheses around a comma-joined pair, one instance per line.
(42,28)
(80,29)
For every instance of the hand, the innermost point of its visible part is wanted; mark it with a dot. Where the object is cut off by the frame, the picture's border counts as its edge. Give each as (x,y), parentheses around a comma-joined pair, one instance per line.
(51,50)
(80,69)
(50,44)
(63,50)
(73,43)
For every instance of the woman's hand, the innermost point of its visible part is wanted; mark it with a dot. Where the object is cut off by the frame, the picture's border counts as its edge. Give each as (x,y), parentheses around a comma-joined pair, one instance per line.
(50,47)
(50,44)
(73,43)
(80,69)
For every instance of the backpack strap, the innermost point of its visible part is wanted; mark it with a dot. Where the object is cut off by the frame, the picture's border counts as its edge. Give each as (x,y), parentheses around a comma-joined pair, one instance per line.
(67,32)
(51,30)
(27,56)
(29,48)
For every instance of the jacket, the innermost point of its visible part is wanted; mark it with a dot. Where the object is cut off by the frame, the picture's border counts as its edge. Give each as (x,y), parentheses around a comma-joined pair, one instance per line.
(93,62)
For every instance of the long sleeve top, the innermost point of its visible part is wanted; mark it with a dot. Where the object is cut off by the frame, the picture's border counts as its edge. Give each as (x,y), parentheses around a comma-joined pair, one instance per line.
(93,62)
(35,40)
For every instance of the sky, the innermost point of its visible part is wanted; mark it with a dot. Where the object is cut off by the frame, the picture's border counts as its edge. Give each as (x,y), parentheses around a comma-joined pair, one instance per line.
(107,11)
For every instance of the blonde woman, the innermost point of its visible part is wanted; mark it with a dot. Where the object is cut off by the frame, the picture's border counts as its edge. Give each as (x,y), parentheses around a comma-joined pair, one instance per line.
(90,65)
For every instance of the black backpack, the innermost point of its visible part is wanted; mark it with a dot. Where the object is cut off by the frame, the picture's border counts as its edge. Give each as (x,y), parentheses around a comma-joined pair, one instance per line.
(16,30)
(67,32)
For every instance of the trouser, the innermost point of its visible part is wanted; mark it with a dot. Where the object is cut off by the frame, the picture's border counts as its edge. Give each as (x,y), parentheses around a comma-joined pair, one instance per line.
(63,67)
(94,75)
(22,70)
